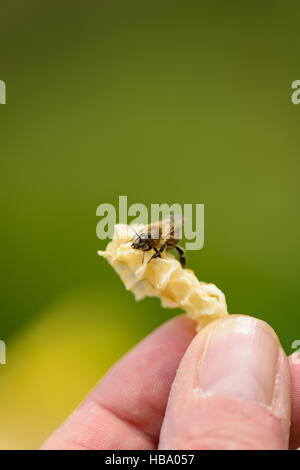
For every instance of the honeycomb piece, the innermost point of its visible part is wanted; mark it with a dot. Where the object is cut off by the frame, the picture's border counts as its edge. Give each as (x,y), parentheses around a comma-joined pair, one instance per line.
(164,278)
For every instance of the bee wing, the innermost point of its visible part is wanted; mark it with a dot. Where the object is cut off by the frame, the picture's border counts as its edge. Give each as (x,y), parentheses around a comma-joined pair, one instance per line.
(172,226)
(154,230)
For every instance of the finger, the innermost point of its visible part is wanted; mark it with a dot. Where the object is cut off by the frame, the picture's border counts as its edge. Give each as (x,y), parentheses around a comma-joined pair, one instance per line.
(294,361)
(232,390)
(126,409)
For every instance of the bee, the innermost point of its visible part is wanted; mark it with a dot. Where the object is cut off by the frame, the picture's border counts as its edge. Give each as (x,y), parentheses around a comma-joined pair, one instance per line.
(160,236)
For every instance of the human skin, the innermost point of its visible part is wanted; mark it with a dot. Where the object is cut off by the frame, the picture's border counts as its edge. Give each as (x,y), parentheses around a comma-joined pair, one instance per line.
(230,386)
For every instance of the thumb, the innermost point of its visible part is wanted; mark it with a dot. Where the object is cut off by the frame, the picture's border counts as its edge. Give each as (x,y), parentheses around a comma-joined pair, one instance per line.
(231,391)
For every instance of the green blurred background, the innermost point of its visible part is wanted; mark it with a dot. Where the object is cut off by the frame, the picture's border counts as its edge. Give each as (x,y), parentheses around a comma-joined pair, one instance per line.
(163,101)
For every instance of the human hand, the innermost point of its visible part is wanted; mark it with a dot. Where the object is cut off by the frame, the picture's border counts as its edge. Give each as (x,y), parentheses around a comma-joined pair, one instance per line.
(232,390)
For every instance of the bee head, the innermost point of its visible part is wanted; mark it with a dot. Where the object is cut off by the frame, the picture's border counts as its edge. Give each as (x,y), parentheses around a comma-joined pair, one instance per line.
(141,242)
(136,243)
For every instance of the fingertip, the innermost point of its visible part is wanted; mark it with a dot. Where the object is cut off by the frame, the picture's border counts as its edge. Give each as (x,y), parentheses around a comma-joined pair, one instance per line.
(234,365)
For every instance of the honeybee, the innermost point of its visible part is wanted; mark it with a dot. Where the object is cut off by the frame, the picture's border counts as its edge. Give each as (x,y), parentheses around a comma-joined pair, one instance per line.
(160,236)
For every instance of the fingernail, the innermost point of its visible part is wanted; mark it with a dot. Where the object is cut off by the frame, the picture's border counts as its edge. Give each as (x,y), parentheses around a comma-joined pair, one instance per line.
(239,360)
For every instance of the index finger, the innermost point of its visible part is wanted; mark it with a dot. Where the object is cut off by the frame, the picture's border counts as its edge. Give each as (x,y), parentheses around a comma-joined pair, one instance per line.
(126,409)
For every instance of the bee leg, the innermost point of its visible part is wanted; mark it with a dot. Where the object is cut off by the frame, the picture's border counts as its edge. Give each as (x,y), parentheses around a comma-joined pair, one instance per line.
(182,258)
(144,254)
(163,247)
(157,253)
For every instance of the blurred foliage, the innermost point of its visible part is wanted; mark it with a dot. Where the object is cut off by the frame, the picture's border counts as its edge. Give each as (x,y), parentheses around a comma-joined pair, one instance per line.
(183,102)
